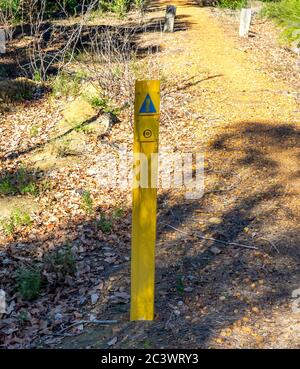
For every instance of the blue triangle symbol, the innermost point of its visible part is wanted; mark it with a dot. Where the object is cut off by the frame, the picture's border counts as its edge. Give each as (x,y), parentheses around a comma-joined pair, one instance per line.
(148,106)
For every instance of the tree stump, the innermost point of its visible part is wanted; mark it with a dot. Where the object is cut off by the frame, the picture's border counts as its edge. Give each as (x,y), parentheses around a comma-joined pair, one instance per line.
(170,18)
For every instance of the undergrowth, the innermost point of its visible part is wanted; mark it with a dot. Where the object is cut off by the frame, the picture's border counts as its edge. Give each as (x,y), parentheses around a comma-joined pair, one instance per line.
(286,14)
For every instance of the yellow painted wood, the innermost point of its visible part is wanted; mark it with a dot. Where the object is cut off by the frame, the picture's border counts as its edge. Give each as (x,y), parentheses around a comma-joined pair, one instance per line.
(146,126)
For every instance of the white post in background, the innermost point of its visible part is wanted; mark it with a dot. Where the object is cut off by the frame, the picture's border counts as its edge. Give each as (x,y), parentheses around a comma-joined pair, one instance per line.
(295,47)
(2,303)
(245,22)
(170,18)
(2,41)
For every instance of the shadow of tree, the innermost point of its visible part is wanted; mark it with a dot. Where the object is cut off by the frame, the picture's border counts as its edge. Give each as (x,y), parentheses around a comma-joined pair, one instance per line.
(55,37)
(214,280)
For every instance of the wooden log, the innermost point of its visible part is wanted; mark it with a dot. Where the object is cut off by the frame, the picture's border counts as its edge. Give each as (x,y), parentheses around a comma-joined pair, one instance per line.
(170,18)
(245,22)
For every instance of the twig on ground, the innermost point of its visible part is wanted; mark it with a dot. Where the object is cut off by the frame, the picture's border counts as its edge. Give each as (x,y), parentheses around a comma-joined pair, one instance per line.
(95,321)
(271,243)
(214,239)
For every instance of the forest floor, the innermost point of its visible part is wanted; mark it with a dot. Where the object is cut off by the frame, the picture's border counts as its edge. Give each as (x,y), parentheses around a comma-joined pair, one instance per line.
(232,100)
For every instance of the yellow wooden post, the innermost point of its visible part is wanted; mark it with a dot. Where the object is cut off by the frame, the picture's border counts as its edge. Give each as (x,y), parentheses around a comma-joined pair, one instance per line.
(146,124)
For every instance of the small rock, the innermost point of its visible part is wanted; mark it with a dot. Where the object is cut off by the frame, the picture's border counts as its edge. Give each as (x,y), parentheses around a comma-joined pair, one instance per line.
(109,254)
(82,300)
(215,220)
(122,295)
(92,171)
(113,341)
(188,289)
(10,308)
(222,298)
(58,316)
(94,298)
(103,124)
(215,250)
(79,328)
(92,317)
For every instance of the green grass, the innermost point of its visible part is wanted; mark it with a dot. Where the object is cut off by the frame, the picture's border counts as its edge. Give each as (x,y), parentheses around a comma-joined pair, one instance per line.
(29,282)
(14,6)
(63,148)
(100,103)
(180,285)
(3,72)
(67,84)
(118,213)
(34,131)
(147,344)
(231,4)
(17,219)
(61,262)
(286,14)
(119,6)
(24,94)
(30,188)
(23,317)
(87,202)
(6,187)
(104,224)
(21,182)
(97,102)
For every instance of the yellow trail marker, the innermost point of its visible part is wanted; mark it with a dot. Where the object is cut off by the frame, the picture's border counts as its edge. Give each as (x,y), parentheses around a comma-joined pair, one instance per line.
(146,124)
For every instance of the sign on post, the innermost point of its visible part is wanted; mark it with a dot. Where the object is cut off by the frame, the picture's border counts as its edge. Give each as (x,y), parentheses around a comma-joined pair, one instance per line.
(245,22)
(146,128)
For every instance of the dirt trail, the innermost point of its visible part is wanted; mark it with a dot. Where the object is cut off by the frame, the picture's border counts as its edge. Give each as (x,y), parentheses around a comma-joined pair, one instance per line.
(248,126)
(241,91)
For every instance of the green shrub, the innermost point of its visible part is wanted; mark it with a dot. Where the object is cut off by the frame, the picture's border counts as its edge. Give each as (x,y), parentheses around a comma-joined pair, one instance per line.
(97,102)
(66,84)
(16,219)
(68,6)
(17,90)
(11,7)
(179,284)
(23,317)
(87,202)
(29,282)
(61,262)
(102,103)
(119,6)
(286,14)
(34,131)
(21,182)
(231,4)
(30,188)
(104,224)
(63,148)
(118,213)
(6,187)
